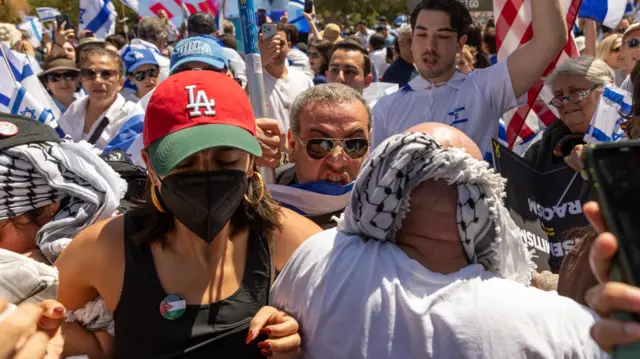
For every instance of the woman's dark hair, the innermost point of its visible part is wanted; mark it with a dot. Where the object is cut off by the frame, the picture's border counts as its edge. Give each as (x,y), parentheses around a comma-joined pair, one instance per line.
(263,217)
(116,40)
(325,48)
(89,51)
(294,34)
(458,13)
(474,35)
(377,42)
(489,38)
(229,41)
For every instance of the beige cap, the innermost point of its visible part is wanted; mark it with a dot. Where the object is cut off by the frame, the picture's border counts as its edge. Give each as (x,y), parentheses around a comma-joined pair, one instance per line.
(633,28)
(331,33)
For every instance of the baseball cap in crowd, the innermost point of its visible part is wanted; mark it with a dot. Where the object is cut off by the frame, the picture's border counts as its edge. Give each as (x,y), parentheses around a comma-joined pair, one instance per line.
(19,130)
(331,33)
(201,23)
(199,48)
(195,110)
(138,57)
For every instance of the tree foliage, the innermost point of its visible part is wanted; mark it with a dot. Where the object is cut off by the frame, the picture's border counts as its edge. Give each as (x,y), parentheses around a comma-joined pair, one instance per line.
(355,10)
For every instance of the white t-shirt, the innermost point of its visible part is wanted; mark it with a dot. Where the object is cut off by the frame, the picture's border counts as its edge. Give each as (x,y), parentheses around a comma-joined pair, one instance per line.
(280,94)
(72,121)
(365,38)
(379,59)
(366,299)
(472,103)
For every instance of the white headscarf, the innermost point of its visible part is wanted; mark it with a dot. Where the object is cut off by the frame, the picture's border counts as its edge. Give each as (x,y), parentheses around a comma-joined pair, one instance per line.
(381,196)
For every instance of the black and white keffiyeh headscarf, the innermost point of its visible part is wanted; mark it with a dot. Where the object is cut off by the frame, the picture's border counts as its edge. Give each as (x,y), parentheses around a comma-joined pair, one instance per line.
(381,195)
(37,174)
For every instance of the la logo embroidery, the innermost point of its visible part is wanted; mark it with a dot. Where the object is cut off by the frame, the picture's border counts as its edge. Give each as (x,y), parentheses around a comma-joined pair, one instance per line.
(200,100)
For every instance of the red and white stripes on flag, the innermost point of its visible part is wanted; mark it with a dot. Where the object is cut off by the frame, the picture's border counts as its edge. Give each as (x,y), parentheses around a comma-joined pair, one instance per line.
(513,28)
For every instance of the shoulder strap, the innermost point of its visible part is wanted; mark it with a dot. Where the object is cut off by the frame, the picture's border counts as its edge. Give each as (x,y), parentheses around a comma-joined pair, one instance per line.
(99,130)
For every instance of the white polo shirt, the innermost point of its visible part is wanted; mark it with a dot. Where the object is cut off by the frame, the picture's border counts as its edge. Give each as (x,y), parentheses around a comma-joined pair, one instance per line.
(471,103)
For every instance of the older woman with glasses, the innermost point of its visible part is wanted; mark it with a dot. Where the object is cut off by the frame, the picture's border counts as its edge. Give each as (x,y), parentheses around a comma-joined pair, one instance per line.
(98,117)
(577,85)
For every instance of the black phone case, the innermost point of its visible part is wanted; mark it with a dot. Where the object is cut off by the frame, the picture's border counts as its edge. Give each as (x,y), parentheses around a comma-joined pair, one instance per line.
(616,273)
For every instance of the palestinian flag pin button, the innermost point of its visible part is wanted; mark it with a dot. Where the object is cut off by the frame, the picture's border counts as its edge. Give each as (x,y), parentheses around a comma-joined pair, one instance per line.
(172,307)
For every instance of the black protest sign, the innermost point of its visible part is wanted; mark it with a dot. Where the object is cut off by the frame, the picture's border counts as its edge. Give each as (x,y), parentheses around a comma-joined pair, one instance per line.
(545,206)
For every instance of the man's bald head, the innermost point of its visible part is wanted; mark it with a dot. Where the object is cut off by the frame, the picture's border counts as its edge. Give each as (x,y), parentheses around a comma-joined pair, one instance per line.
(448,137)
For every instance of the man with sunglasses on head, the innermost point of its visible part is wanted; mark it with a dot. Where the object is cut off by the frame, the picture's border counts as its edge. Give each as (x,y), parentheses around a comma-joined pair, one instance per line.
(143,71)
(328,141)
(60,78)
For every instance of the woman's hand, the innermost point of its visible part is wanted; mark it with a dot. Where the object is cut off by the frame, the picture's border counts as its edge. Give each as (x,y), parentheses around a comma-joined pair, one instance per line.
(61,35)
(282,330)
(608,297)
(32,331)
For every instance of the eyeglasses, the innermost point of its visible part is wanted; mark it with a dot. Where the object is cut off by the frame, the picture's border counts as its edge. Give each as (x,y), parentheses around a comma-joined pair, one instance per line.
(141,75)
(617,49)
(314,55)
(320,148)
(574,97)
(57,76)
(633,43)
(90,74)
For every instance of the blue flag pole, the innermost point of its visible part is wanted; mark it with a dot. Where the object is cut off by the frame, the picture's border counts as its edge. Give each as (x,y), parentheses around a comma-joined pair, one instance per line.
(255,81)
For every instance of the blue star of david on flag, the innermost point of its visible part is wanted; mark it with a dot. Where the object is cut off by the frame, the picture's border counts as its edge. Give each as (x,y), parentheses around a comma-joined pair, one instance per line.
(31,112)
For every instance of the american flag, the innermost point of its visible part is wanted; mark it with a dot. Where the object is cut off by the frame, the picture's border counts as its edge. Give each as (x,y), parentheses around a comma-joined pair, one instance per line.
(513,28)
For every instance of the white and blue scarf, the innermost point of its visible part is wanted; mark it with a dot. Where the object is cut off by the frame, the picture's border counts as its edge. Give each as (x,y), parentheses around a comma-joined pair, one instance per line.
(312,199)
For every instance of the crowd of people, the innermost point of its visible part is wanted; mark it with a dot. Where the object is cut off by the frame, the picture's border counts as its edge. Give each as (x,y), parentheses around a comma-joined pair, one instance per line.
(384,234)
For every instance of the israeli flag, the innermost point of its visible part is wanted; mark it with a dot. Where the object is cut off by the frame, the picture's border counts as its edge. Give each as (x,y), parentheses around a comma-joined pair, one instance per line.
(605,125)
(312,199)
(21,93)
(607,12)
(295,9)
(98,16)
(33,26)
(128,133)
(47,13)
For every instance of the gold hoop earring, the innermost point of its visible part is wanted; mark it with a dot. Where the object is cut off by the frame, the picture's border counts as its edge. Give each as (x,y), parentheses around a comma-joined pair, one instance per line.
(155,201)
(261,195)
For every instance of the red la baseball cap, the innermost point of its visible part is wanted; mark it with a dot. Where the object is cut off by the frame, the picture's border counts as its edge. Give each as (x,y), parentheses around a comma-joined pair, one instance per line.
(195,110)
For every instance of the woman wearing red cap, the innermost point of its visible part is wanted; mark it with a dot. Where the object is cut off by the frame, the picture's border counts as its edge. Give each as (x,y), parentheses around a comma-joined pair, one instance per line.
(186,275)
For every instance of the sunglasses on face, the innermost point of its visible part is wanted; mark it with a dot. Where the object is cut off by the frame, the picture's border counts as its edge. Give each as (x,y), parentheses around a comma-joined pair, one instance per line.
(617,49)
(57,76)
(314,55)
(320,148)
(633,43)
(90,74)
(141,75)
(574,97)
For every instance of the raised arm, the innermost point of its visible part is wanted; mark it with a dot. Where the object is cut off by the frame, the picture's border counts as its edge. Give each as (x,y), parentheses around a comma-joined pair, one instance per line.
(529,61)
(590,37)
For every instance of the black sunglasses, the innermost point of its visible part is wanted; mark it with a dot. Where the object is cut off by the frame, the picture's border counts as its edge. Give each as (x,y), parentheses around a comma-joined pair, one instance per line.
(57,76)
(633,43)
(141,75)
(90,74)
(320,148)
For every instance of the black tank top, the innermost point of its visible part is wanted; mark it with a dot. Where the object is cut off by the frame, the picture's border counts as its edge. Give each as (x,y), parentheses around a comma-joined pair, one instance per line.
(218,330)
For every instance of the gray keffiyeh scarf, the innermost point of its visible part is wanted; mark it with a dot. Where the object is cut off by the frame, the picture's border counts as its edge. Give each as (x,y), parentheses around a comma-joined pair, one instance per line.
(381,196)
(37,174)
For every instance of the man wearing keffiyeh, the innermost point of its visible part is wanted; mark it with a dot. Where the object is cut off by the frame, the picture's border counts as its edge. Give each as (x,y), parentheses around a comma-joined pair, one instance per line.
(49,191)
(427,263)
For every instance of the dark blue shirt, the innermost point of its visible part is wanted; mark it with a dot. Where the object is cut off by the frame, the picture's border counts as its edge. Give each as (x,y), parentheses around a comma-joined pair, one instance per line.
(400,72)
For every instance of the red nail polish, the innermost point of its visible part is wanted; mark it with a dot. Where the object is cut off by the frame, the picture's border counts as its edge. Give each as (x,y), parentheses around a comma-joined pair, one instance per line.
(265,331)
(264,345)
(58,310)
(266,353)
(249,337)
